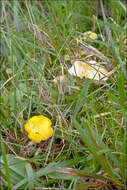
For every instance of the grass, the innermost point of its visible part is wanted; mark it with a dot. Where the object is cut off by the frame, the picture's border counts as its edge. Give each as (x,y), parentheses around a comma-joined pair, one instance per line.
(88,119)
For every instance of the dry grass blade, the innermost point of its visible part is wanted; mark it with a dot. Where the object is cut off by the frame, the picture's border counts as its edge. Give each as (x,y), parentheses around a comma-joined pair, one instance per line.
(101,114)
(81,173)
(90,50)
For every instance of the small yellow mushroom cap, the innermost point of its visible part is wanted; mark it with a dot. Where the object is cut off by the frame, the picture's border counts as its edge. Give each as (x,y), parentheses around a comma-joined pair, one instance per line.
(93,35)
(38,128)
(88,34)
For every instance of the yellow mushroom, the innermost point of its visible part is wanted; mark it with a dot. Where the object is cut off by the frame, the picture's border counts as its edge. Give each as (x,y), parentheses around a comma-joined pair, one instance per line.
(92,35)
(38,128)
(87,35)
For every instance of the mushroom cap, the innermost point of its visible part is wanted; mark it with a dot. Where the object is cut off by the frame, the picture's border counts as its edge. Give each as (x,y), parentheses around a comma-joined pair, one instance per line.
(93,71)
(38,128)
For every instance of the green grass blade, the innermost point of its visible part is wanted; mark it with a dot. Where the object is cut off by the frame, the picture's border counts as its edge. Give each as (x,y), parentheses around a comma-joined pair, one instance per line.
(124,7)
(45,171)
(6,167)
(124,148)
(114,47)
(122,92)
(30,174)
(93,149)
(82,97)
